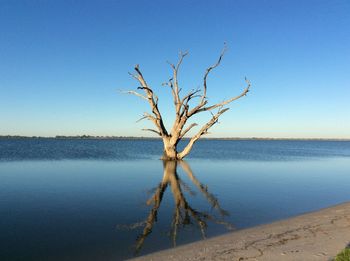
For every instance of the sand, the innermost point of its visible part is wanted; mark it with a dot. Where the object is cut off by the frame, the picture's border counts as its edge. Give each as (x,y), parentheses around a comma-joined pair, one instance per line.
(314,236)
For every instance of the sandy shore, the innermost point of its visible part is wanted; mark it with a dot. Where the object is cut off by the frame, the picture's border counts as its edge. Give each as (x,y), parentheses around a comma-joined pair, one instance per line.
(314,236)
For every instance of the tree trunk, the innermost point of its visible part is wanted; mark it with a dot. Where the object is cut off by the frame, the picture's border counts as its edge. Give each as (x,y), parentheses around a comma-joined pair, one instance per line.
(170,152)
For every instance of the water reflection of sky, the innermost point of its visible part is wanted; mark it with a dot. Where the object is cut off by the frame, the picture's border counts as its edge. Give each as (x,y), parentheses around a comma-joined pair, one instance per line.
(80,209)
(56,209)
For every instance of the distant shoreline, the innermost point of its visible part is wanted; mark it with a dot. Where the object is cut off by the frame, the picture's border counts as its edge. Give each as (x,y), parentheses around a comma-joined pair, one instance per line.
(89,137)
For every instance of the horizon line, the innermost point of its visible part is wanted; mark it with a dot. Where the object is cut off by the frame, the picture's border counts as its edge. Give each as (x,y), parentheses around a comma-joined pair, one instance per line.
(145,137)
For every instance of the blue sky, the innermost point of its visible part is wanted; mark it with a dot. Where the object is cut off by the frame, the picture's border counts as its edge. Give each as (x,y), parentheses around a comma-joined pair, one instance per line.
(62,62)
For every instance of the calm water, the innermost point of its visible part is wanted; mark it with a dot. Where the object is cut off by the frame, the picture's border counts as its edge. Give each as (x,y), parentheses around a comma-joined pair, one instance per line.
(113,199)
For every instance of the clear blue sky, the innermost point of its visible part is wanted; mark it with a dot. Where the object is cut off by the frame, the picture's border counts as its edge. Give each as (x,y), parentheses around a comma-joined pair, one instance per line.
(62,62)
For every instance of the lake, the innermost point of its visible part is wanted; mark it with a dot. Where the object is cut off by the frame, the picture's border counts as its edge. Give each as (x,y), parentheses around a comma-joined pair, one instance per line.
(114,199)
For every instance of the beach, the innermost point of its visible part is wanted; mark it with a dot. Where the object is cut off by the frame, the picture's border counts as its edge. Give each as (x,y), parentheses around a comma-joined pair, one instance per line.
(317,235)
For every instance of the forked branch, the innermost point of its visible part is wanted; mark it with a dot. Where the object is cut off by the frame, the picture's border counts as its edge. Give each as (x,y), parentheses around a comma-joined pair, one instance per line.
(202,131)
(174,83)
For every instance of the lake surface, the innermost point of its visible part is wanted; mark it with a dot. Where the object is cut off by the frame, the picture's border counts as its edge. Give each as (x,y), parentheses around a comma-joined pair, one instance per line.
(113,199)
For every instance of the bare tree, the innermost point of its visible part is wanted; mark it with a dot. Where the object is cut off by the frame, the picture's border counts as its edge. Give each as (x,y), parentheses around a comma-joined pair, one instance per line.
(182,109)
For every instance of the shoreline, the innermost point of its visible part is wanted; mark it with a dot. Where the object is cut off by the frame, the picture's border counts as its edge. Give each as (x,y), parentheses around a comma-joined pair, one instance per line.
(318,235)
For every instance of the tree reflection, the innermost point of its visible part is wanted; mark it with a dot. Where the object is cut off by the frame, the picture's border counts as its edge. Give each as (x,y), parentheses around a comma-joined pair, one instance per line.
(184,214)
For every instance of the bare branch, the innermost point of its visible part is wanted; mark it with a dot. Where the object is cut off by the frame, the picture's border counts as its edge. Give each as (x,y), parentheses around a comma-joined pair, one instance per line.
(134,93)
(151,130)
(145,88)
(133,75)
(182,56)
(175,80)
(142,118)
(200,108)
(188,129)
(137,69)
(152,100)
(202,131)
(188,97)
(208,71)
(148,117)
(171,85)
(245,91)
(171,65)
(176,83)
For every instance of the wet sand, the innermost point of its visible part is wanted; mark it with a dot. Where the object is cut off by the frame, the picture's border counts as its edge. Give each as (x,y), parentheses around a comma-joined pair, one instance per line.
(318,235)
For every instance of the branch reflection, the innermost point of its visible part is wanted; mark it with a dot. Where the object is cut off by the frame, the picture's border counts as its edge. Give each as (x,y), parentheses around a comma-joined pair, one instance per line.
(184,214)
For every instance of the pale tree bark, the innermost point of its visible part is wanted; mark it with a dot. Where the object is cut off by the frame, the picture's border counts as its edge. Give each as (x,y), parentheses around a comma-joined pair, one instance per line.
(183,112)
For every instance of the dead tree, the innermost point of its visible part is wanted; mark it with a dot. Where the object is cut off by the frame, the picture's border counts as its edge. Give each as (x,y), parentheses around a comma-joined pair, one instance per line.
(182,109)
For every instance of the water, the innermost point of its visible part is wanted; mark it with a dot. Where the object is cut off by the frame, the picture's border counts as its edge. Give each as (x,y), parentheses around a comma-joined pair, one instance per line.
(113,199)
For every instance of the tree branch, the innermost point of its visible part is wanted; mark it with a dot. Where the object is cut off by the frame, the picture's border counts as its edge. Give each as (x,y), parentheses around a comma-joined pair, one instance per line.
(171,85)
(202,131)
(153,131)
(175,80)
(152,100)
(200,108)
(245,91)
(187,130)
(208,71)
(187,98)
(134,93)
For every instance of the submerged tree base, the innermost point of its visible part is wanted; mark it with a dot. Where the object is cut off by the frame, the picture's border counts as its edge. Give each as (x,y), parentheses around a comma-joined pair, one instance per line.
(165,157)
